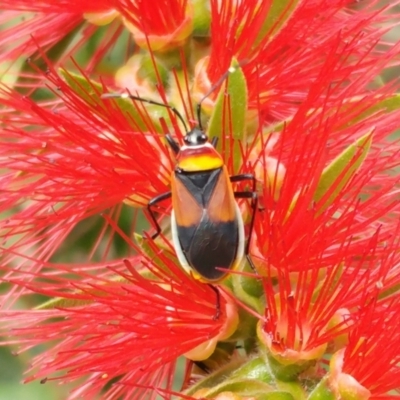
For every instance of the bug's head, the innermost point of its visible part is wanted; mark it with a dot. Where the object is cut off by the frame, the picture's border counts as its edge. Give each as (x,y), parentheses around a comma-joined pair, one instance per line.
(195,137)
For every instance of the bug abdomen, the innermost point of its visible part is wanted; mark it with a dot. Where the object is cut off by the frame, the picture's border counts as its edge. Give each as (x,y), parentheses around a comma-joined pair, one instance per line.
(209,246)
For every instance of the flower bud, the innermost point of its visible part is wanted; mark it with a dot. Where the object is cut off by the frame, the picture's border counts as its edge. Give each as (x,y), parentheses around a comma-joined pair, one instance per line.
(344,385)
(158,35)
(101,18)
(204,350)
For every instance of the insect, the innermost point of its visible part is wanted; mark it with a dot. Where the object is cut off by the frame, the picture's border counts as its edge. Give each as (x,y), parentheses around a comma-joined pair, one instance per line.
(207,226)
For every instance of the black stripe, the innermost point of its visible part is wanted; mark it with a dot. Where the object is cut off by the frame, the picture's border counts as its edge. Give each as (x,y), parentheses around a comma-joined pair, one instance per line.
(210,245)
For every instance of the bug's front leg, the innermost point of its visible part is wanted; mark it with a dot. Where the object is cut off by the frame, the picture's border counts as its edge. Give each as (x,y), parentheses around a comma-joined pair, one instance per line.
(150,204)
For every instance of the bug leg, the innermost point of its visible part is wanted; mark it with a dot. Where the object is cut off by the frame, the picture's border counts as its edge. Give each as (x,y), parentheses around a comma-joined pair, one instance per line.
(214,142)
(254,202)
(150,204)
(174,146)
(217,303)
(244,177)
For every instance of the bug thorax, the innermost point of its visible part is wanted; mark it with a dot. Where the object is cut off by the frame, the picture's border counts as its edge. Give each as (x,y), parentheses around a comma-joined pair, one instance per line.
(197,154)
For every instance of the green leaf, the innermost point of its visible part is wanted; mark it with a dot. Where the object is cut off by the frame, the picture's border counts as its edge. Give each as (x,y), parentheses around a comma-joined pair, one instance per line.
(231,120)
(249,290)
(296,389)
(162,248)
(339,172)
(279,13)
(150,73)
(63,302)
(202,19)
(242,292)
(243,387)
(387,105)
(322,391)
(60,48)
(286,373)
(388,292)
(276,396)
(87,297)
(91,91)
(53,54)
(9,72)
(252,285)
(215,377)
(254,369)
(80,298)
(247,326)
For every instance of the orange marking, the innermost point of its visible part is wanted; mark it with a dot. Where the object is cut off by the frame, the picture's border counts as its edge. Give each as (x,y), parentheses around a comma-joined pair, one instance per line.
(221,207)
(200,159)
(187,210)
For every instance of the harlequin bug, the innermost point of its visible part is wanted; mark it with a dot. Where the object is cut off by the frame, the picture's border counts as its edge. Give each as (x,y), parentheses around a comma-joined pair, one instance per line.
(206,222)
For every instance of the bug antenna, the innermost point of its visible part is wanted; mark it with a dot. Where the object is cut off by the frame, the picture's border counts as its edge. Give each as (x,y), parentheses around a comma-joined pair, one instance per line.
(156,103)
(215,86)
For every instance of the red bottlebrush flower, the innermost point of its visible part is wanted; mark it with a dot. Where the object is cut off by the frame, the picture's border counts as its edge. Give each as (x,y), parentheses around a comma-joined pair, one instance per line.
(62,19)
(68,19)
(154,28)
(325,244)
(368,366)
(132,329)
(314,310)
(284,51)
(323,241)
(69,183)
(73,6)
